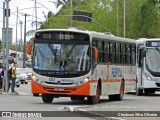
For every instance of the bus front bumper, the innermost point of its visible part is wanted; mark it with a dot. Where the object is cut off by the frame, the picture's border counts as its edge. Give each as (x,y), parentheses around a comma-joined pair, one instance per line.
(83,90)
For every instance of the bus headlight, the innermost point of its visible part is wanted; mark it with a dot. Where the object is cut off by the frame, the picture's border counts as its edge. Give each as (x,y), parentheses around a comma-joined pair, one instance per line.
(33,77)
(148,76)
(86,80)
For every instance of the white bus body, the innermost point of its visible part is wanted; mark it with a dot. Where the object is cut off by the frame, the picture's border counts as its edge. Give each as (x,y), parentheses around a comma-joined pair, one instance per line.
(148,65)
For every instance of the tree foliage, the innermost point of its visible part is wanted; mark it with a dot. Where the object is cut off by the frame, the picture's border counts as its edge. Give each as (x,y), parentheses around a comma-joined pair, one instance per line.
(142,16)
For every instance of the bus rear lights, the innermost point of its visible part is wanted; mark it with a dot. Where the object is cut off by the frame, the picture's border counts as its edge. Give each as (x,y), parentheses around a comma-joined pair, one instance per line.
(148,76)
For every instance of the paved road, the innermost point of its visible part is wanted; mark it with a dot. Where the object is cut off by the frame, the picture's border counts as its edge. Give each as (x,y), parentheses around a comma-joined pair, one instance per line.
(146,102)
(26,102)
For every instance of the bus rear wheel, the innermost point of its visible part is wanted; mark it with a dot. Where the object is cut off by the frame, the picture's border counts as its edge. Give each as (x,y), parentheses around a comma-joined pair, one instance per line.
(94,99)
(47,98)
(119,96)
(73,98)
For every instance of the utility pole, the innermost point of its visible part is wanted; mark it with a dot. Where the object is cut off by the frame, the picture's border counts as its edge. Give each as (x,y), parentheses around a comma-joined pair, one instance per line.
(16,33)
(4,45)
(124,18)
(6,52)
(21,40)
(71,13)
(36,12)
(24,44)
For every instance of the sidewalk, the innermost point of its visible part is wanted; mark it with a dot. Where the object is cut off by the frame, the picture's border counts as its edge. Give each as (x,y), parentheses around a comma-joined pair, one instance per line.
(113,112)
(9,93)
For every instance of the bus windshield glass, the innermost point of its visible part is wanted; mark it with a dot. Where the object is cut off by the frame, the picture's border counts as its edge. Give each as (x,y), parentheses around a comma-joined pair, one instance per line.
(153,59)
(61,56)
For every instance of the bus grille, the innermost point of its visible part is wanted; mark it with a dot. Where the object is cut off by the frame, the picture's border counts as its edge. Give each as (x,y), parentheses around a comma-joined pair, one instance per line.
(59,84)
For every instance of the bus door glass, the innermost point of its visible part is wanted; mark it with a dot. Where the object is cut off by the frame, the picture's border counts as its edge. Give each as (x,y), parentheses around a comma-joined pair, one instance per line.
(140,66)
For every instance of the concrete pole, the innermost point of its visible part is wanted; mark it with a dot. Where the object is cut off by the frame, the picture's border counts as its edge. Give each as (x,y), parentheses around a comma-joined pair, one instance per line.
(24,44)
(36,12)
(124,18)
(4,41)
(71,13)
(117,16)
(16,33)
(4,44)
(7,33)
(21,39)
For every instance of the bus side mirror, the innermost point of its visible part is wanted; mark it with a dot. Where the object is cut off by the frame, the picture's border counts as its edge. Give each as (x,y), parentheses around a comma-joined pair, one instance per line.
(29,48)
(96,53)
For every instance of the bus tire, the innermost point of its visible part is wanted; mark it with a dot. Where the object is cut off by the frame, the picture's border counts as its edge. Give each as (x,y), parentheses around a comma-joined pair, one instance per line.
(35,94)
(47,98)
(146,91)
(152,91)
(119,96)
(139,91)
(112,97)
(81,98)
(73,98)
(94,99)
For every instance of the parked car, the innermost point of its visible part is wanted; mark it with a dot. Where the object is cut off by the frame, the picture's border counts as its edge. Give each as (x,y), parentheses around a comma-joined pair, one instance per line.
(28,71)
(22,75)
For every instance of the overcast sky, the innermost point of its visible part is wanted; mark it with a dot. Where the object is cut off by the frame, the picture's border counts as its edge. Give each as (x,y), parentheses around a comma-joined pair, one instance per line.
(28,6)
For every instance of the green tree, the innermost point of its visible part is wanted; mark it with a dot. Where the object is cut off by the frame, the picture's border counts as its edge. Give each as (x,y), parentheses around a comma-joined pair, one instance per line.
(149,20)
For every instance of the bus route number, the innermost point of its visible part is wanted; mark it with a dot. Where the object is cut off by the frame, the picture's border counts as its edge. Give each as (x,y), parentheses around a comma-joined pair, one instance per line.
(47,36)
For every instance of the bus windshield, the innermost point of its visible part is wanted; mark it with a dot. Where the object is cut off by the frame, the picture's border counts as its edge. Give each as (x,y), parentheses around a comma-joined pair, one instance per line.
(153,59)
(61,56)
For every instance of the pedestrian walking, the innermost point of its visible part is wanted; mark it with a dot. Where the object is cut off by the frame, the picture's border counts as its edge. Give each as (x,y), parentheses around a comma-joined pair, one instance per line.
(13,76)
(4,78)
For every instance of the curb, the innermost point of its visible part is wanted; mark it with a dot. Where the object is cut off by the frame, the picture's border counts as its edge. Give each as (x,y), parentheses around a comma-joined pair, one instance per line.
(86,113)
(95,115)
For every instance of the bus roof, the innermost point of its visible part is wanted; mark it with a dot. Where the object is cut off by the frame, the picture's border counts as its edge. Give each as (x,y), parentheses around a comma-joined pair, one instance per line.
(93,34)
(143,40)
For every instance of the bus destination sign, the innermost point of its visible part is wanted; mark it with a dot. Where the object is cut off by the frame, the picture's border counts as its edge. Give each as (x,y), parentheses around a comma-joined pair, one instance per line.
(51,35)
(153,44)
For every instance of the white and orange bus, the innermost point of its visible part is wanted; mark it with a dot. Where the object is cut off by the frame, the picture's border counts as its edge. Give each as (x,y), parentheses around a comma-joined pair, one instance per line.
(82,64)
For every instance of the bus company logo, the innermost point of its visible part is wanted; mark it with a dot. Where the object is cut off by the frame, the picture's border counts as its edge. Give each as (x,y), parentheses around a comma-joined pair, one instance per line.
(58,82)
(51,79)
(116,72)
(67,81)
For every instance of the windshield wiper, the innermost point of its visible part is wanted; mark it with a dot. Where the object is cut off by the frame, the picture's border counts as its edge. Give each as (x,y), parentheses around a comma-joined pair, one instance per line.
(53,51)
(70,51)
(158,49)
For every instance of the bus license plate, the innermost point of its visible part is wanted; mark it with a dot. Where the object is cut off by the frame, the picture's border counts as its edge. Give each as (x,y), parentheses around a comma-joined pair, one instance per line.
(59,89)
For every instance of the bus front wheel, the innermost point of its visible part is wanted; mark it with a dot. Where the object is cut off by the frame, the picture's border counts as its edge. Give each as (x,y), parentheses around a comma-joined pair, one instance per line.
(94,99)
(139,91)
(47,98)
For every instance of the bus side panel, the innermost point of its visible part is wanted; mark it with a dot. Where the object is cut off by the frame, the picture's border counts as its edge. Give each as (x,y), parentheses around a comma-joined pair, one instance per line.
(83,90)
